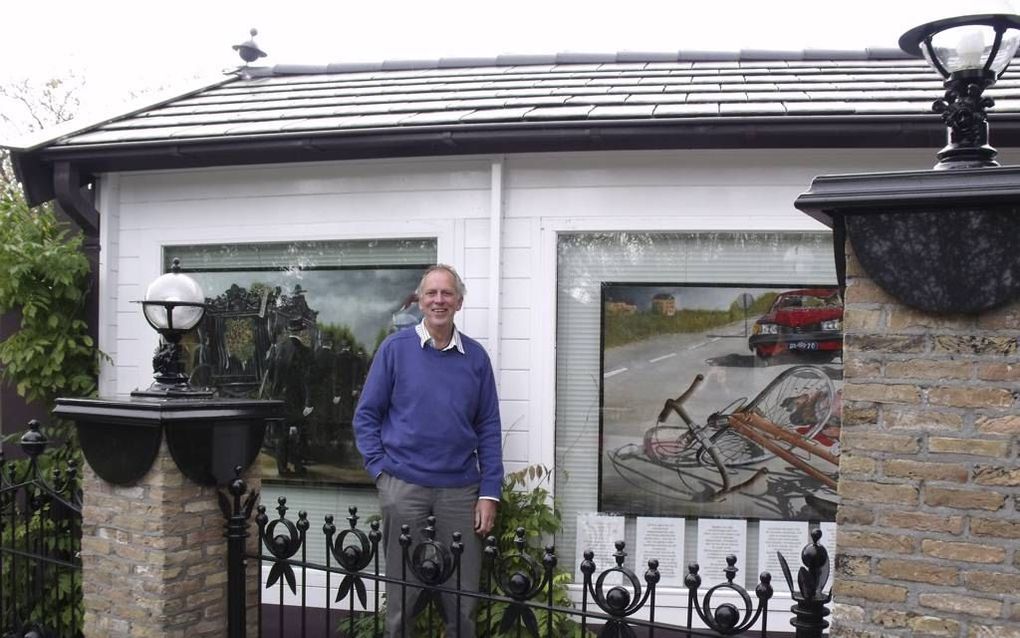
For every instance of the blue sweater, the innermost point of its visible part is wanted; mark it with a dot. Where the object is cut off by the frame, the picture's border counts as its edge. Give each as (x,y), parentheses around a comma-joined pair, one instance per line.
(430,417)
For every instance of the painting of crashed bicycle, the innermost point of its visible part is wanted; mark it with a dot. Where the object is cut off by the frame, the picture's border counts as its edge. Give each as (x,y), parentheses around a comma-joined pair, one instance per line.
(720,400)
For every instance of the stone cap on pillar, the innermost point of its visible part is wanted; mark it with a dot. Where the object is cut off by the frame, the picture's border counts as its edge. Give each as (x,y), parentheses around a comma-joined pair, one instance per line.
(207,437)
(942,241)
(863,193)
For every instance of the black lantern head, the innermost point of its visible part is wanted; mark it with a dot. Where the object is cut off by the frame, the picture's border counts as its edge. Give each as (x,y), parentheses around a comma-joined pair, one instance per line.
(970,53)
(173,305)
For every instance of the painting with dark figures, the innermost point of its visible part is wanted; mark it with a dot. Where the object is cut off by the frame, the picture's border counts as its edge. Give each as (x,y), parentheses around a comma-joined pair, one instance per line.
(720,400)
(306,338)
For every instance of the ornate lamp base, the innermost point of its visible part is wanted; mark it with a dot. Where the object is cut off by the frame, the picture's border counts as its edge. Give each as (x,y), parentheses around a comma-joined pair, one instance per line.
(170,378)
(963,111)
(177,390)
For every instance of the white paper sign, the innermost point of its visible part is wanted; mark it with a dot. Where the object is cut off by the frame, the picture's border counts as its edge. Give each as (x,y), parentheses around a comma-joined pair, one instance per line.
(598,533)
(788,537)
(717,539)
(661,539)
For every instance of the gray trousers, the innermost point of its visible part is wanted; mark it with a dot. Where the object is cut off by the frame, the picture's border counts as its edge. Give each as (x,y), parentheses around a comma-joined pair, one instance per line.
(454,508)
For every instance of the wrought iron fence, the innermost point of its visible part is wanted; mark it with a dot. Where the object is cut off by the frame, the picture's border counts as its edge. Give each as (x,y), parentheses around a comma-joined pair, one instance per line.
(517,598)
(40,535)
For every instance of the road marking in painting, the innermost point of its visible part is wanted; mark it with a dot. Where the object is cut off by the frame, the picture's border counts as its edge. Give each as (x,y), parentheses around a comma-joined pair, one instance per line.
(665,356)
(703,343)
(613,373)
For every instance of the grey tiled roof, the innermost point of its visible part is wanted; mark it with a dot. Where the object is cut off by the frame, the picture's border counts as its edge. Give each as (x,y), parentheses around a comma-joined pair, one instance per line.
(520,90)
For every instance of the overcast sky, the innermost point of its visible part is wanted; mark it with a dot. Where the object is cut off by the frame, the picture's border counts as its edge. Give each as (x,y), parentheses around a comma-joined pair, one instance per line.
(122,47)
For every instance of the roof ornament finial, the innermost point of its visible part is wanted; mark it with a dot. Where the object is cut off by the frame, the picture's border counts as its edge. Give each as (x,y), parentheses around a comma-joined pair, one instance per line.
(248,50)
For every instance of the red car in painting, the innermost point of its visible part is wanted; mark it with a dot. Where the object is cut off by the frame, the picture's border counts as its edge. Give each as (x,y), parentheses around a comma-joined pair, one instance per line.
(800,321)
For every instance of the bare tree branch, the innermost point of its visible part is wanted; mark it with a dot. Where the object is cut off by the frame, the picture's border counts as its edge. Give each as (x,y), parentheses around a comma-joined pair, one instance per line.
(38,105)
(27,106)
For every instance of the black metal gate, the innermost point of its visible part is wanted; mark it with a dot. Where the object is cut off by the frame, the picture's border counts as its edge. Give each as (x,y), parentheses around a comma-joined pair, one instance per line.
(40,537)
(517,598)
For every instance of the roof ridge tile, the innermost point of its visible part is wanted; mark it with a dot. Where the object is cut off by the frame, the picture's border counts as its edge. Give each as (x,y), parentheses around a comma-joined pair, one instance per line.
(510,90)
(580,57)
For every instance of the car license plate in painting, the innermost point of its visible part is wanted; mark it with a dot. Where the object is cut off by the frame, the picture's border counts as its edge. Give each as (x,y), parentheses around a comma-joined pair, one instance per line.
(803,345)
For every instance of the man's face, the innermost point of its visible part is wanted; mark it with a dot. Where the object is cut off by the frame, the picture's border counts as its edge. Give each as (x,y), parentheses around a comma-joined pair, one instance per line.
(439,300)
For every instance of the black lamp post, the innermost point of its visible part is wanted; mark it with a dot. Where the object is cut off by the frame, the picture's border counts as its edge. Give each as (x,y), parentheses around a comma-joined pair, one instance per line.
(970,53)
(207,436)
(173,305)
(942,241)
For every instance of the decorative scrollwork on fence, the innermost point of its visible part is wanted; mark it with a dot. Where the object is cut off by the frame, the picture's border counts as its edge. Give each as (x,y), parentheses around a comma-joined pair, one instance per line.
(353,550)
(40,534)
(619,601)
(810,596)
(237,488)
(519,580)
(62,486)
(432,563)
(282,547)
(727,619)
(519,576)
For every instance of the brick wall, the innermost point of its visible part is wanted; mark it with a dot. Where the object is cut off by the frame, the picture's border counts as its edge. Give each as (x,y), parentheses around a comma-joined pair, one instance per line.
(930,479)
(154,557)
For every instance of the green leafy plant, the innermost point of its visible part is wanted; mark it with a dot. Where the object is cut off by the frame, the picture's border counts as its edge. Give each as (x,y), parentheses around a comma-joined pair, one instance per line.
(50,355)
(526,504)
(45,279)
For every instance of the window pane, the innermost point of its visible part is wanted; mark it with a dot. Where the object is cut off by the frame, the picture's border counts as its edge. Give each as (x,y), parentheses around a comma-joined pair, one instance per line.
(639,315)
(300,322)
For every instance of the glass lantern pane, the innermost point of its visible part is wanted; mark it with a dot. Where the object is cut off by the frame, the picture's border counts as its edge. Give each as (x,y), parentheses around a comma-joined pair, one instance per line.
(185,317)
(175,287)
(963,47)
(1010,43)
(156,316)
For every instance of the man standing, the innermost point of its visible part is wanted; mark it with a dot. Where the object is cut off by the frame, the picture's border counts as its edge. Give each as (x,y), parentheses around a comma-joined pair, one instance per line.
(428,427)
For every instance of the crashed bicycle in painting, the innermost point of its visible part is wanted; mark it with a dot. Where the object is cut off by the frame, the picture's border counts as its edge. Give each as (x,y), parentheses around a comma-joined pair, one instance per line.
(692,427)
(789,420)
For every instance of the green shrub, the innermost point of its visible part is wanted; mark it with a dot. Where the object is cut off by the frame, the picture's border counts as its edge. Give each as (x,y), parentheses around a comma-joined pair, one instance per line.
(526,504)
(50,355)
(45,278)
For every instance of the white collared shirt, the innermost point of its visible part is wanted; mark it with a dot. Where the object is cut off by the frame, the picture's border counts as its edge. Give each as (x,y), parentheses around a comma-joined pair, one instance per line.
(426,338)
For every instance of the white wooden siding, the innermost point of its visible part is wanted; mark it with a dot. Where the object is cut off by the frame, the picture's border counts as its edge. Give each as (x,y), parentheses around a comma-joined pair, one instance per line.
(450,199)
(110,264)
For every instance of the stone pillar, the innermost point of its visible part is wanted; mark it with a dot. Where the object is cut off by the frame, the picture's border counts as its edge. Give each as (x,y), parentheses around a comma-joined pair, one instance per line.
(154,557)
(929,474)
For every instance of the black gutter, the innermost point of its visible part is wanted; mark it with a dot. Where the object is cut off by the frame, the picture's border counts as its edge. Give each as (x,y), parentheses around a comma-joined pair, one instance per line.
(777,132)
(68,187)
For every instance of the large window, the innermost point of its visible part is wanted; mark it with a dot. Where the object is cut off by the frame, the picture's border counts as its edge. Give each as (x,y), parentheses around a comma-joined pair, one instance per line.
(756,319)
(300,321)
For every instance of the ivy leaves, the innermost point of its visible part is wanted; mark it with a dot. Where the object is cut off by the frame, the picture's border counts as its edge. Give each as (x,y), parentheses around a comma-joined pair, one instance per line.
(45,278)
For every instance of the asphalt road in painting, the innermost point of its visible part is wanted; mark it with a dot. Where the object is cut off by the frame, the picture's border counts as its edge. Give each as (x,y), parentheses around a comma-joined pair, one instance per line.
(639,377)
